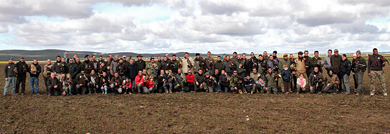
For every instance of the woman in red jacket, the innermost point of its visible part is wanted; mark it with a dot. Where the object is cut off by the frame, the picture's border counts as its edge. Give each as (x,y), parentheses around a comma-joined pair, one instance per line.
(190,81)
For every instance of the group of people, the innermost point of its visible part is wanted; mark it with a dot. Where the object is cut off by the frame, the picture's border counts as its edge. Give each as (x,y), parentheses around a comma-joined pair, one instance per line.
(236,74)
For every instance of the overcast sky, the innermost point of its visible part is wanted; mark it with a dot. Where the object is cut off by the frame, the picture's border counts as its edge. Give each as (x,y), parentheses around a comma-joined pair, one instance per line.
(219,26)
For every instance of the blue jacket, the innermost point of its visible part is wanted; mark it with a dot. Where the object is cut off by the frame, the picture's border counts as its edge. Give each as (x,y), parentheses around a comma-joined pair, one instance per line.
(249,81)
(286,75)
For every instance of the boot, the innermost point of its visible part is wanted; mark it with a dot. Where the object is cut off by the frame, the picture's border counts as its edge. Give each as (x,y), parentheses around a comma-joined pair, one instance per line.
(70,91)
(105,91)
(166,91)
(170,91)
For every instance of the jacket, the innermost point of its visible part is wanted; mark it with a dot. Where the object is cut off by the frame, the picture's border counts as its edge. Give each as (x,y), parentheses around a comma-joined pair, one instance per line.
(336,63)
(10,70)
(328,64)
(51,82)
(187,64)
(37,68)
(148,84)
(22,68)
(199,78)
(139,79)
(132,71)
(286,75)
(223,80)
(113,67)
(359,65)
(345,67)
(270,80)
(315,78)
(218,65)
(140,64)
(299,83)
(73,70)
(190,78)
(249,81)
(373,65)
(47,69)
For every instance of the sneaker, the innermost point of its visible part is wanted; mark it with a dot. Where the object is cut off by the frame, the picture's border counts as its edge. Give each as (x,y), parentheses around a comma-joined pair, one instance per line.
(357,94)
(252,92)
(372,94)
(385,94)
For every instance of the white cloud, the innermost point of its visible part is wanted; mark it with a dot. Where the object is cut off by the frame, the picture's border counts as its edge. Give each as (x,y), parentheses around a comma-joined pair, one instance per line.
(196,25)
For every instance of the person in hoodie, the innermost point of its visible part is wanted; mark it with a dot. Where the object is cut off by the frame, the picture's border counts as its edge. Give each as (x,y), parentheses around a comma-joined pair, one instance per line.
(35,70)
(21,76)
(345,71)
(250,85)
(286,76)
(316,81)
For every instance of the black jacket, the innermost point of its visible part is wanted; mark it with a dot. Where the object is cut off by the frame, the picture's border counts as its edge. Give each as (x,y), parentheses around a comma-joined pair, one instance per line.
(9,70)
(132,70)
(73,70)
(345,67)
(52,82)
(22,69)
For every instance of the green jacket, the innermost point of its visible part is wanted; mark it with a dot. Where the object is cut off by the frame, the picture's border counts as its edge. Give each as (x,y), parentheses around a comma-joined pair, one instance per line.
(284,62)
(270,80)
(359,62)
(314,63)
(240,62)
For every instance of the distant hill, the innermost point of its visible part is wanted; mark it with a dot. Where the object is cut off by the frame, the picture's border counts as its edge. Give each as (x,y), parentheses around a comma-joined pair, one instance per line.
(41,55)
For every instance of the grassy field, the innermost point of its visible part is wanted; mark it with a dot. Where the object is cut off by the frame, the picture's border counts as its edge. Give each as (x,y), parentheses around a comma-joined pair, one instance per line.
(195,113)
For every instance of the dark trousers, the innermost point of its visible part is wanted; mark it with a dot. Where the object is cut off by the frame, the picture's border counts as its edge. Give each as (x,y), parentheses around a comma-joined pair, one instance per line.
(190,87)
(47,86)
(287,86)
(54,91)
(82,90)
(293,83)
(20,80)
(355,79)
(340,87)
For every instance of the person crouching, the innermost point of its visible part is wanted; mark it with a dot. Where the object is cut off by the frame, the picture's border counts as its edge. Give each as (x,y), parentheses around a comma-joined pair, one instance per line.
(53,85)
(116,84)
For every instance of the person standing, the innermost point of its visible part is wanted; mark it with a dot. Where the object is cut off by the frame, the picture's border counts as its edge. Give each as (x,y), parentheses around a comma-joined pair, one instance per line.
(375,69)
(209,63)
(328,64)
(345,71)
(307,62)
(361,66)
(140,63)
(10,71)
(47,69)
(301,69)
(21,76)
(35,70)
(187,63)
(336,60)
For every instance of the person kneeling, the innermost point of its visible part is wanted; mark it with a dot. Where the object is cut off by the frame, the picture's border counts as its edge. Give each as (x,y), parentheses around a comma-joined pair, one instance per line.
(249,84)
(315,80)
(208,83)
(53,85)
(301,83)
(116,84)
(148,85)
(332,83)
(82,82)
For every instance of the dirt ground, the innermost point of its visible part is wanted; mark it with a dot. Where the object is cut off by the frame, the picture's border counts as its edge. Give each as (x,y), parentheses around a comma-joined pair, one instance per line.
(195,113)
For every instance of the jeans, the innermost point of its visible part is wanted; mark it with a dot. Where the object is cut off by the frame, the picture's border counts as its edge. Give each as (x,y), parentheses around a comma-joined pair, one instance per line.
(346,84)
(148,90)
(34,81)
(218,87)
(10,80)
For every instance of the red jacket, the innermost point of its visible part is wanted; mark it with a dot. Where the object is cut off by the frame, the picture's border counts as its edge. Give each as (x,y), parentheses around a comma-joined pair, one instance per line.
(190,78)
(128,85)
(148,84)
(139,79)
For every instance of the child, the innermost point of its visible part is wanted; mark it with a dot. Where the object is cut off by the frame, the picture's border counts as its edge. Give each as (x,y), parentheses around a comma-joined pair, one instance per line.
(104,83)
(148,85)
(301,83)
(127,86)
(167,82)
(260,82)
(286,75)
(67,85)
